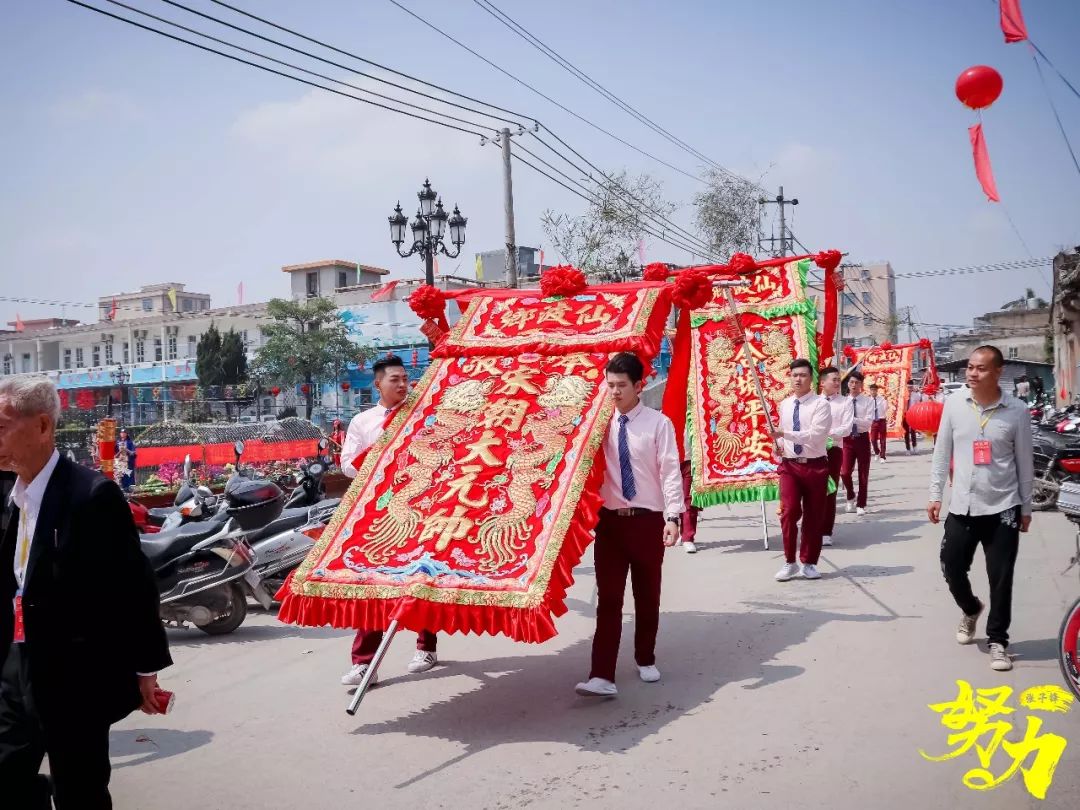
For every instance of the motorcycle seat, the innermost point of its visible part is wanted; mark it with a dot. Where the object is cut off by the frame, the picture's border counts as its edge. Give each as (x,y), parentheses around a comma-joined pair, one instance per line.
(158,514)
(164,546)
(291,518)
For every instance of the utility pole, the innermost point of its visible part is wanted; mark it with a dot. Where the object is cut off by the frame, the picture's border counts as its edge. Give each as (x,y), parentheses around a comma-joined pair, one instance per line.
(508,209)
(785,241)
(839,351)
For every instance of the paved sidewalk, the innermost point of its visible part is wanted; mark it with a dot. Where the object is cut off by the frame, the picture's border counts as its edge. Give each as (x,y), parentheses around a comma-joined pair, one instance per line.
(793,695)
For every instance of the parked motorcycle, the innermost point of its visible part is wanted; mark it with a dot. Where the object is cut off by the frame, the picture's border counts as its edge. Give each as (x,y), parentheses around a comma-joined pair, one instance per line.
(1056,461)
(205,569)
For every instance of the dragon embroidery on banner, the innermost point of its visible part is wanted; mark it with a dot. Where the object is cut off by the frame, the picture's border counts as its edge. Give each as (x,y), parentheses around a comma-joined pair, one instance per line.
(501,535)
(432,448)
(778,357)
(720,362)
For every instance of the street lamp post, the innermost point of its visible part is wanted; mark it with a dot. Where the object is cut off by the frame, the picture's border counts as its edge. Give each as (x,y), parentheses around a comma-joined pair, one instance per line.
(119,377)
(428,230)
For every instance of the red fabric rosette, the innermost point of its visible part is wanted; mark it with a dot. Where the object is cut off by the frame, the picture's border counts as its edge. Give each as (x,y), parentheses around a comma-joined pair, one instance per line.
(742,263)
(429,303)
(562,280)
(693,289)
(657,271)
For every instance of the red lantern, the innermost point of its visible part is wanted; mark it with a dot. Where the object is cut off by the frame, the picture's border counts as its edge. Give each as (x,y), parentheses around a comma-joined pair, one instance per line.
(305,389)
(925,417)
(978,87)
(345,386)
(275,391)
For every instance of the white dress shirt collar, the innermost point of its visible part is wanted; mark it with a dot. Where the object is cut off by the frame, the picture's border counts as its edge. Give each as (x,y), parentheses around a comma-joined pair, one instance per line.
(29,496)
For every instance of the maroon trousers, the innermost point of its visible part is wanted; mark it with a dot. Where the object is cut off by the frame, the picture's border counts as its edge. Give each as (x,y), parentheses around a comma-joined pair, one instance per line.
(856,451)
(878,429)
(689,517)
(836,463)
(803,490)
(367,642)
(631,544)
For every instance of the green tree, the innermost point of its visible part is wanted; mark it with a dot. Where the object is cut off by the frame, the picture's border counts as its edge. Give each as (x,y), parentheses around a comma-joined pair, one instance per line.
(305,344)
(233,359)
(728,214)
(208,358)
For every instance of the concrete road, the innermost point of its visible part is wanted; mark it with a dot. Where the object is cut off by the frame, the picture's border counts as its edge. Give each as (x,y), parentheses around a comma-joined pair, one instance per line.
(796,695)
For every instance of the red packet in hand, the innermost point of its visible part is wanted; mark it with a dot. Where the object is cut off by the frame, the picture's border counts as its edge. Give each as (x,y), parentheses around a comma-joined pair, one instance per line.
(981,449)
(164,700)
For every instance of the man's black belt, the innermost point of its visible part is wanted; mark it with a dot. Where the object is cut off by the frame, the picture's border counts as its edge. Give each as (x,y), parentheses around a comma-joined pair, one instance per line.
(630,511)
(801,460)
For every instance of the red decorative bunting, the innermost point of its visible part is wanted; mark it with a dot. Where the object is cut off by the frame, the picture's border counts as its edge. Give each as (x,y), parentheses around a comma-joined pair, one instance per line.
(983,170)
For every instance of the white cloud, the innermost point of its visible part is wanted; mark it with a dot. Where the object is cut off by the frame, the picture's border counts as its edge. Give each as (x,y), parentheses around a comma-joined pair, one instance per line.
(93,105)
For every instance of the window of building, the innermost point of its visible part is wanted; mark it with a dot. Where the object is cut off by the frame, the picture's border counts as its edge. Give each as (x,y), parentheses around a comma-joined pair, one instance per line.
(95,352)
(7,363)
(108,353)
(148,304)
(157,349)
(244,338)
(26,363)
(205,304)
(140,351)
(866,297)
(67,358)
(850,300)
(312,285)
(316,395)
(192,346)
(172,347)
(365,396)
(79,358)
(1014,352)
(342,279)
(864,273)
(867,320)
(127,352)
(188,304)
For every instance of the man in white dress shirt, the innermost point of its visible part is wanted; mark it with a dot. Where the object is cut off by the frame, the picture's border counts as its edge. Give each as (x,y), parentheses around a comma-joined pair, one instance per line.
(879,426)
(840,409)
(805,419)
(857,445)
(643,499)
(911,436)
(392,383)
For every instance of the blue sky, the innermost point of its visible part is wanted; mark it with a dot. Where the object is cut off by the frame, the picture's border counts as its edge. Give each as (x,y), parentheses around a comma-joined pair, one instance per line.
(130,159)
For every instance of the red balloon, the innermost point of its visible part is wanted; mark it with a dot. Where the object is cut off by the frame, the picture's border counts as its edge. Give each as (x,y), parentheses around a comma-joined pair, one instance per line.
(275,391)
(345,386)
(978,87)
(305,388)
(925,417)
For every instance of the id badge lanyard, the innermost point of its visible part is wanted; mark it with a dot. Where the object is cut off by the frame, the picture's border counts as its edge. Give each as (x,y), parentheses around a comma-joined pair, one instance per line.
(981,446)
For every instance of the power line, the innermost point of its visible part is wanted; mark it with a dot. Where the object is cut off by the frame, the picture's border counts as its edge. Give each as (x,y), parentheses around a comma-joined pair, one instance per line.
(544,96)
(343,67)
(660,236)
(351,55)
(305,70)
(271,70)
(560,60)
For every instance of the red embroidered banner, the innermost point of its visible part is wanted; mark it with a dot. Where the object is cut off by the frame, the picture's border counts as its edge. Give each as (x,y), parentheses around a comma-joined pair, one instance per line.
(732,451)
(610,317)
(471,511)
(225,454)
(890,370)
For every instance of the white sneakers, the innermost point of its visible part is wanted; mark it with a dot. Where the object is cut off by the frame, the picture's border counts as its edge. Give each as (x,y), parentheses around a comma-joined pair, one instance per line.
(356,674)
(597,687)
(999,658)
(860,512)
(649,674)
(810,572)
(850,507)
(422,662)
(826,540)
(882,459)
(689,548)
(965,633)
(789,571)
(601,687)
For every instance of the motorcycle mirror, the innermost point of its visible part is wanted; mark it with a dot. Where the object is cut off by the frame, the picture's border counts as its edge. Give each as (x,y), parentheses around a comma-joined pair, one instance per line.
(204,492)
(239,448)
(187,466)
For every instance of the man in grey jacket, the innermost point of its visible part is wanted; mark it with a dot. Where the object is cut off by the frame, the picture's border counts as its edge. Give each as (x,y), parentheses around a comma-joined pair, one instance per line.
(986,435)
